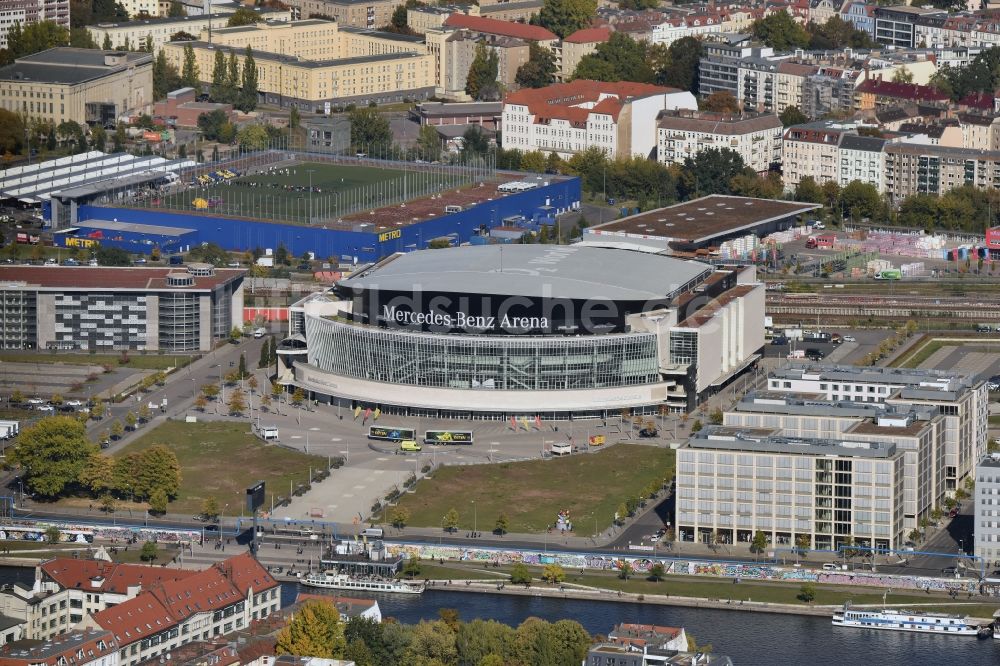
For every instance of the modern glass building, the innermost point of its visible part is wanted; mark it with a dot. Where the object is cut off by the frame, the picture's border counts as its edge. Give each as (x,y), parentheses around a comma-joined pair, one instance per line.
(525,330)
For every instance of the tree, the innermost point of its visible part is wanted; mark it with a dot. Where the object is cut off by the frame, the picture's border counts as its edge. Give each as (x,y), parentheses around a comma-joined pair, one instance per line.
(315,631)
(242,368)
(149,552)
(237,403)
(519,574)
(533,161)
(412,567)
(902,75)
(265,356)
(481,81)
(807,190)
(711,171)
(399,517)
(80,38)
(429,143)
(621,58)
(294,119)
(158,501)
(759,543)
(210,391)
(807,592)
(657,572)
(190,76)
(539,71)
(249,92)
(143,412)
(176,9)
(564,17)
(217,91)
(112,256)
(52,534)
(34,37)
(451,520)
(625,571)
(370,130)
(502,524)
(298,397)
(97,474)
(210,509)
(780,31)
(802,544)
(108,503)
(553,573)
(201,403)
(253,137)
(106,44)
(243,16)
(51,454)
(677,65)
(837,34)
(792,116)
(475,141)
(863,200)
(130,421)
(721,101)
(158,469)
(211,123)
(165,79)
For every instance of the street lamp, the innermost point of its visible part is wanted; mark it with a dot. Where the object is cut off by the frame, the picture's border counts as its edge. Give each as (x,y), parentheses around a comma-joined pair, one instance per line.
(475,520)
(310,172)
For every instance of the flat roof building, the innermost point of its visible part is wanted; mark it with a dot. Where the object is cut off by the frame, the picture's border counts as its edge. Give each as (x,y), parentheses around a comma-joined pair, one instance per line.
(961,400)
(733,482)
(160,30)
(549,331)
(986,505)
(684,134)
(176,309)
(703,222)
(82,85)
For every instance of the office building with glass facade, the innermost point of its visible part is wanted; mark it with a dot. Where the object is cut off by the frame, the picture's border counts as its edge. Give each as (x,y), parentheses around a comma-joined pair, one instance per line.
(176,309)
(525,330)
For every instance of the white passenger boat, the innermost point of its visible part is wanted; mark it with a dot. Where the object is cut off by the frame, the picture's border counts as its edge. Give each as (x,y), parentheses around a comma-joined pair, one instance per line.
(335,581)
(904,620)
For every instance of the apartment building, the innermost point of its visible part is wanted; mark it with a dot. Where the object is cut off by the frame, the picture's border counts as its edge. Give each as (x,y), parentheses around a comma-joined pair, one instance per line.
(896,25)
(327,64)
(862,158)
(82,85)
(422,18)
(566,118)
(683,134)
(31,11)
(830,90)
(961,400)
(912,168)
(224,598)
(813,149)
(518,12)
(348,13)
(918,431)
(878,94)
(160,30)
(581,43)
(733,482)
(674,28)
(986,505)
(459,52)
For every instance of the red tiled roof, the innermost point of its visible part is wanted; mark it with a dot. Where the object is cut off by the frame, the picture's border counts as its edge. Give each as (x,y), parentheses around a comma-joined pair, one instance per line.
(901,90)
(88,277)
(497,27)
(117,578)
(978,101)
(563,100)
(589,36)
(246,574)
(135,619)
(205,591)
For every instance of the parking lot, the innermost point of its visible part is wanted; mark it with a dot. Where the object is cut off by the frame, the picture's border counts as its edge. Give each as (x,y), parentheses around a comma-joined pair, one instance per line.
(847,352)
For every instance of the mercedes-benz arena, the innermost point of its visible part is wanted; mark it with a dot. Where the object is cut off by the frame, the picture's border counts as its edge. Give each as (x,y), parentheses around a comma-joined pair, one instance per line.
(526,330)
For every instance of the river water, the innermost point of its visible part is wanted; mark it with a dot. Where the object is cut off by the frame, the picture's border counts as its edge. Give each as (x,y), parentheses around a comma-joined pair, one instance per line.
(751,639)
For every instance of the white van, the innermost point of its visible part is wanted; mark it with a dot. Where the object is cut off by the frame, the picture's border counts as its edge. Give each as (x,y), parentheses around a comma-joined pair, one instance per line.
(259,332)
(562,449)
(372,532)
(269,433)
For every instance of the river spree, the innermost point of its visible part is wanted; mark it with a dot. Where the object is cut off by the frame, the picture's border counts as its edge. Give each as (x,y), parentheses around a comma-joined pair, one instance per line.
(751,639)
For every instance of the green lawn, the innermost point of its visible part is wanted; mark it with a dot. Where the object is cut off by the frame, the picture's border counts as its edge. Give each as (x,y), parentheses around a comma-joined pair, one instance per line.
(919,354)
(136,361)
(220,459)
(590,486)
(287,198)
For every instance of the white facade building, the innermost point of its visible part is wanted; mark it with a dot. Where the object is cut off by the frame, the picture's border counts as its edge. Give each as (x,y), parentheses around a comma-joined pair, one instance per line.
(986,529)
(566,118)
(962,401)
(756,137)
(734,482)
(862,158)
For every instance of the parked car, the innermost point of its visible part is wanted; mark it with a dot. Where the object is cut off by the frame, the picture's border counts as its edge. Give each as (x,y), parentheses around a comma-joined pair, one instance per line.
(850,338)
(48,409)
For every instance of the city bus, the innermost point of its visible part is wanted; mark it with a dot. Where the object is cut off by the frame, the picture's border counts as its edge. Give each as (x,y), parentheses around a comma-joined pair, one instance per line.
(391,433)
(448,437)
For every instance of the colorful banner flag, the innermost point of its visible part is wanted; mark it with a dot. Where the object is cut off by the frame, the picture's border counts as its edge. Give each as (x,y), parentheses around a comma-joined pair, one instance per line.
(524,422)
(368,412)
(513,423)
(538,421)
(357,412)
(378,412)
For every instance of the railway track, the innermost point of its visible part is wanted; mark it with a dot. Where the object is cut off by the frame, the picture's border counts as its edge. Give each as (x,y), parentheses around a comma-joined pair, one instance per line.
(856,306)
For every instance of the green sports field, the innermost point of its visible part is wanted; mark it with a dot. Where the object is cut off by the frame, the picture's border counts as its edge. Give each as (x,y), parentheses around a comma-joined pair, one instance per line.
(284,193)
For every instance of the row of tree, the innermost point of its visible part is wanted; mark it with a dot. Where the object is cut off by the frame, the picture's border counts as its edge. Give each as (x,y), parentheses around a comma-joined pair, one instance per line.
(783,33)
(317,631)
(56,458)
(229,86)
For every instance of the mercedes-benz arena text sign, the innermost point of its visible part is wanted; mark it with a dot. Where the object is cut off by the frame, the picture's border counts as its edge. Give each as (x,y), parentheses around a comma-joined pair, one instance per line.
(517,290)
